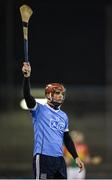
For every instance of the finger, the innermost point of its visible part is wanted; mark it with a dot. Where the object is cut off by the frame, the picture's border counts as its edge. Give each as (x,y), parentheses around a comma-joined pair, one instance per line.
(24,68)
(81,169)
(81,166)
(27,67)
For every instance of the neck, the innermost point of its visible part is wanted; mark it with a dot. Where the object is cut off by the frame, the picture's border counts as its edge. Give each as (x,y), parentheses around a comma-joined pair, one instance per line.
(53,105)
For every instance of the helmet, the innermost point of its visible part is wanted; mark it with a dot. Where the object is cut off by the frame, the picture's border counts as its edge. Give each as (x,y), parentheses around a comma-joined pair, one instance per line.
(50,89)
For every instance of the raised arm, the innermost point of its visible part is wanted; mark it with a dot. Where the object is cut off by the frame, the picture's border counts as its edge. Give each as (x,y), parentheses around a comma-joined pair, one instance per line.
(30,101)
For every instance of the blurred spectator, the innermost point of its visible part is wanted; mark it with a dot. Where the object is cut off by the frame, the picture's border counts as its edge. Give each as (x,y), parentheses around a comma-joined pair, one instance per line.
(84,154)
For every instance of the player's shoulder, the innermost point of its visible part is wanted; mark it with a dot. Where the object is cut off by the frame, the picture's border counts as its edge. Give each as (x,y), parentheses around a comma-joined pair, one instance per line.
(36,107)
(64,113)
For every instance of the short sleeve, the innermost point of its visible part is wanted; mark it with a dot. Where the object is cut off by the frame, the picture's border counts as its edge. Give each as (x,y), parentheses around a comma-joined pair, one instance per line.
(66,125)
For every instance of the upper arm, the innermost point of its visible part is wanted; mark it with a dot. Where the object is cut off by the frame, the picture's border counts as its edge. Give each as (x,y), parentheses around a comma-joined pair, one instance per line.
(33,108)
(30,101)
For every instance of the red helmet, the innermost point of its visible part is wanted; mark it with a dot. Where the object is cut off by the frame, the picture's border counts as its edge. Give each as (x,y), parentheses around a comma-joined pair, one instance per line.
(52,88)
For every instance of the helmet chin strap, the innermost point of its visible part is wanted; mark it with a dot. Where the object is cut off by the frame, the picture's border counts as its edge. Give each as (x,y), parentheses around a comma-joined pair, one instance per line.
(54,105)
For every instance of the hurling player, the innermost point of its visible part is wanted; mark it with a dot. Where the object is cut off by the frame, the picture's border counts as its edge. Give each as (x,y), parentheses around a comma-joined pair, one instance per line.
(51,131)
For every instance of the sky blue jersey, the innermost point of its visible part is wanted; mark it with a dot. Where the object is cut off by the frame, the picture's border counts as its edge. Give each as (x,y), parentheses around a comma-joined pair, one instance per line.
(49,127)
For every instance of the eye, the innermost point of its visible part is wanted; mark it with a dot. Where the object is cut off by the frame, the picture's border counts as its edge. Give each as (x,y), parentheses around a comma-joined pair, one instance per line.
(57,92)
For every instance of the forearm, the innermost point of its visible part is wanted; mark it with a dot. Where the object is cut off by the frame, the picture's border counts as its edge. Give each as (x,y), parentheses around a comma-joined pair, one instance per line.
(70,145)
(30,101)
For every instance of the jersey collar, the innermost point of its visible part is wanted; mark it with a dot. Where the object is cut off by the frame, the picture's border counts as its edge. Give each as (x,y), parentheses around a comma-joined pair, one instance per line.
(56,110)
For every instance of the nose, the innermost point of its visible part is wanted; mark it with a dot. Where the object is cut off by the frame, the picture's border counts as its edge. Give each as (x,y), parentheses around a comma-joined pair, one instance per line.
(61,96)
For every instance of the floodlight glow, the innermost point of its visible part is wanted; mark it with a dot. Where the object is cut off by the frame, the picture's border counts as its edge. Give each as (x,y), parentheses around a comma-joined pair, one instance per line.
(24,106)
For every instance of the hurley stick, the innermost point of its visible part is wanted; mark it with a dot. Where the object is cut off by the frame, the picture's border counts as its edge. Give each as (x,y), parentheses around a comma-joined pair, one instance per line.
(26,13)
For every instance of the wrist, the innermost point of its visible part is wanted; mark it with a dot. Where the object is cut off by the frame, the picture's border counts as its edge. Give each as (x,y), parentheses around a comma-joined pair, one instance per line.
(26,75)
(76,159)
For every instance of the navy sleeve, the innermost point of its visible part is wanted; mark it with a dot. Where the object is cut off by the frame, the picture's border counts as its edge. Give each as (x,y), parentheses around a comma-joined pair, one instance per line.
(30,101)
(70,145)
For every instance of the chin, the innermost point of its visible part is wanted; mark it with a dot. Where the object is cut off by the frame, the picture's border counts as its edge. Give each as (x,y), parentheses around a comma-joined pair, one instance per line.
(57,103)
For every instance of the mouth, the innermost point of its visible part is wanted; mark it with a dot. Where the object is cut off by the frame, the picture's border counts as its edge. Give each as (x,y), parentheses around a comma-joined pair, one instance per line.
(58,101)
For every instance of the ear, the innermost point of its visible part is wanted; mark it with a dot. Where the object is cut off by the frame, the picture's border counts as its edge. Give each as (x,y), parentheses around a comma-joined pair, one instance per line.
(49,96)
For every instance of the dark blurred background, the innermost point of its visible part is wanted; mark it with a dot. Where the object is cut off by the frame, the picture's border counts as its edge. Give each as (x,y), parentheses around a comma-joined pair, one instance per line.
(69,43)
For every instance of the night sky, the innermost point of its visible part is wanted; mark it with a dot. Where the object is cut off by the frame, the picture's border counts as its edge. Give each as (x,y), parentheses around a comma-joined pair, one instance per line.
(66,43)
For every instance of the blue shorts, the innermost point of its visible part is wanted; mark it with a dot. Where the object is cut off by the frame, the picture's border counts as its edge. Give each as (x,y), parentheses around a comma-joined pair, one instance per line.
(49,167)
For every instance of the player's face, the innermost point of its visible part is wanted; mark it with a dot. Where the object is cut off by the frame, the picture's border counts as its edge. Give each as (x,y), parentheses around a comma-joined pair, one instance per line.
(59,96)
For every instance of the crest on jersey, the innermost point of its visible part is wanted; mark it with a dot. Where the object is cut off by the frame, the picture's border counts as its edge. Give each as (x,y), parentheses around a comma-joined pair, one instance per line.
(56,125)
